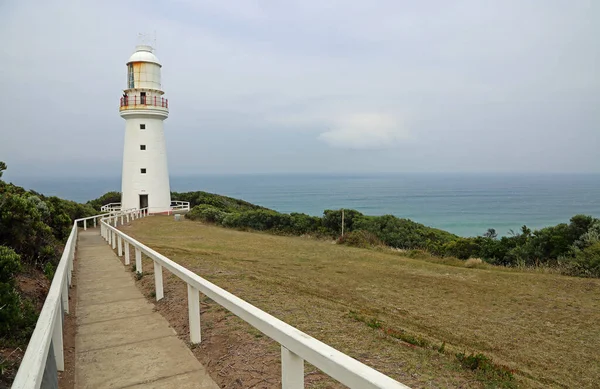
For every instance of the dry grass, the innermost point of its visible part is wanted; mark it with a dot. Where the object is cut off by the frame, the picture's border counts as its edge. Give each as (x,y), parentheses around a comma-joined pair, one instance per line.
(544,327)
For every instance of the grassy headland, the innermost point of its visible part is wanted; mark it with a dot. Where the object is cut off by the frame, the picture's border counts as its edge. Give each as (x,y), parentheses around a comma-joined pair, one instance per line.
(572,248)
(424,323)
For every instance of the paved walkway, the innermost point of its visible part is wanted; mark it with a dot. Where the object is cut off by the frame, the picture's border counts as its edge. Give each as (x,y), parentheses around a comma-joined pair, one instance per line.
(120,341)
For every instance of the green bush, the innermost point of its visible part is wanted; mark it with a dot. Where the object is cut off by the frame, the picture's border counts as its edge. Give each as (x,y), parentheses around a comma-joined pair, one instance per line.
(462,248)
(360,238)
(10,308)
(107,198)
(332,220)
(10,264)
(206,213)
(587,261)
(224,203)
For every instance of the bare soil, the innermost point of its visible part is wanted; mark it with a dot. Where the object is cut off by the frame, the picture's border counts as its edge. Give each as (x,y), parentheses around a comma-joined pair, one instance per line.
(66,378)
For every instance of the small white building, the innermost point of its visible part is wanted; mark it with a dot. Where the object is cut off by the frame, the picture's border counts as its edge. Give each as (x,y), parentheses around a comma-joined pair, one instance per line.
(145,178)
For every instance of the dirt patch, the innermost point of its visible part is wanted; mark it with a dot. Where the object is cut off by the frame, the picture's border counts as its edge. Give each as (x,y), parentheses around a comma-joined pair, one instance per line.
(66,378)
(34,286)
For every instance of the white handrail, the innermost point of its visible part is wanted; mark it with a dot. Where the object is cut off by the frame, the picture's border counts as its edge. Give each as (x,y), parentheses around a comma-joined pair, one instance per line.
(49,327)
(175,205)
(296,346)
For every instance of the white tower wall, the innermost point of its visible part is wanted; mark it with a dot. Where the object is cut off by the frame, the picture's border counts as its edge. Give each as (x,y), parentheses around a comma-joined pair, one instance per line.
(145,175)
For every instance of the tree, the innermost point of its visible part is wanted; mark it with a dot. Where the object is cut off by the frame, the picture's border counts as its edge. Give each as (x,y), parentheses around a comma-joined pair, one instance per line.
(490,233)
(2,168)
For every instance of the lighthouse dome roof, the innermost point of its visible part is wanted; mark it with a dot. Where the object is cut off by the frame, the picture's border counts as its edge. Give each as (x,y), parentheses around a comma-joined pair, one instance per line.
(144,53)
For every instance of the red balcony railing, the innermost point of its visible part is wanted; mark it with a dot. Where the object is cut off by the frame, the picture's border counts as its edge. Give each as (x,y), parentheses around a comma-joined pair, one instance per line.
(130,101)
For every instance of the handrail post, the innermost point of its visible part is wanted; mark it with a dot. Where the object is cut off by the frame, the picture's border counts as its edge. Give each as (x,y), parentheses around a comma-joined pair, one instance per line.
(121,219)
(158,281)
(84,224)
(127,217)
(116,220)
(65,295)
(138,260)
(120,245)
(95,222)
(114,240)
(57,341)
(194,314)
(127,260)
(292,370)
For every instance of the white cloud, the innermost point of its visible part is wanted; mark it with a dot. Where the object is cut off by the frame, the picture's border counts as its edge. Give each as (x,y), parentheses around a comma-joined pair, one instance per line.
(365,131)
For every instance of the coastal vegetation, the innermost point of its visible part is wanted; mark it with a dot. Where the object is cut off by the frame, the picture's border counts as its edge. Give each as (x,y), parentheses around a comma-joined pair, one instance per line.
(572,248)
(426,321)
(33,230)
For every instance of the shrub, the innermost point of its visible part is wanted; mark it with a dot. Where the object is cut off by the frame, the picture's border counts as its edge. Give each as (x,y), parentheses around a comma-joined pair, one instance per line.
(10,264)
(332,220)
(206,213)
(462,248)
(587,261)
(10,308)
(360,238)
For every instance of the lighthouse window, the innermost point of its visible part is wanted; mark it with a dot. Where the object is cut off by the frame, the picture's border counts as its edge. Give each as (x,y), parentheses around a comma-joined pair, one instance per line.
(142,147)
(143,170)
(142,126)
(130,82)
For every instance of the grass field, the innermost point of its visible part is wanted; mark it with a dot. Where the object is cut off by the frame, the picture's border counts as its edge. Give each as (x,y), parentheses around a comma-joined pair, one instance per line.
(405,317)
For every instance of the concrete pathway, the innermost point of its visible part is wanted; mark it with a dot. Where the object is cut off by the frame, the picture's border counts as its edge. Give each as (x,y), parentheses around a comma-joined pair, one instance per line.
(120,341)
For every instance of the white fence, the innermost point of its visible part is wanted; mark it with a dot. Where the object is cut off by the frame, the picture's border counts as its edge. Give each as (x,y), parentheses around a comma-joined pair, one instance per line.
(175,206)
(296,346)
(45,354)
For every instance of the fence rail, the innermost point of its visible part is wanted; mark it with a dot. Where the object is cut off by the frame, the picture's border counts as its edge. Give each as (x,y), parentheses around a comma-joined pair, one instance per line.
(176,205)
(296,346)
(45,354)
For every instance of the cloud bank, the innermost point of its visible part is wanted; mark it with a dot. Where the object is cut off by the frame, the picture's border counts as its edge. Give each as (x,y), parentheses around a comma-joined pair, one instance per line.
(365,131)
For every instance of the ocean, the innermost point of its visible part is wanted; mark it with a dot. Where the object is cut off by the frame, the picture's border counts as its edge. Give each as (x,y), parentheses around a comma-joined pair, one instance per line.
(464,204)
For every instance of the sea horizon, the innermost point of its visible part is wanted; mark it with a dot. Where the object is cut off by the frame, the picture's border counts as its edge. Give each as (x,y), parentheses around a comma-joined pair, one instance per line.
(466,204)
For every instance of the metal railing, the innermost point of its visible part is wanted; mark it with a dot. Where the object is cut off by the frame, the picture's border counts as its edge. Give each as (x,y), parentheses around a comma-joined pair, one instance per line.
(296,346)
(132,101)
(45,355)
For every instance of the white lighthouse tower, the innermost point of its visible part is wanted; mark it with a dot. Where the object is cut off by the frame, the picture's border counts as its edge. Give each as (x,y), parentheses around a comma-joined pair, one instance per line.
(145,178)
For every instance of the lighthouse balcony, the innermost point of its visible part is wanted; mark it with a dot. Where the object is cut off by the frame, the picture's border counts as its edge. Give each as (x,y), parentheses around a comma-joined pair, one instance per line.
(144,102)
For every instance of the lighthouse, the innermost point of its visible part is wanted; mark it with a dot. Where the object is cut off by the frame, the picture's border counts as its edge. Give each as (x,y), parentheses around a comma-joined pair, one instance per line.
(145,176)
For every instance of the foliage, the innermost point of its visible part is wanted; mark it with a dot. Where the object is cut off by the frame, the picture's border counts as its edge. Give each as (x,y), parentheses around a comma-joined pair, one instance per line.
(10,264)
(462,248)
(332,220)
(360,238)
(17,316)
(587,261)
(107,198)
(404,233)
(206,213)
(33,229)
(224,203)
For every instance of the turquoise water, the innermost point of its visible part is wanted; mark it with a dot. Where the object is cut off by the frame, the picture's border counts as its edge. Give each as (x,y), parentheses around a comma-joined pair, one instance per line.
(465,204)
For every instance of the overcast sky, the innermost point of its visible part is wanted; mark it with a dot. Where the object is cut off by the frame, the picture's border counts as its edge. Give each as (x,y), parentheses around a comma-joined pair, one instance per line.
(307,85)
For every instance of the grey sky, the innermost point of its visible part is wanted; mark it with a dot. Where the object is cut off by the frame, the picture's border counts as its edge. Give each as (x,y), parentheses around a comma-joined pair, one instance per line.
(308,86)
